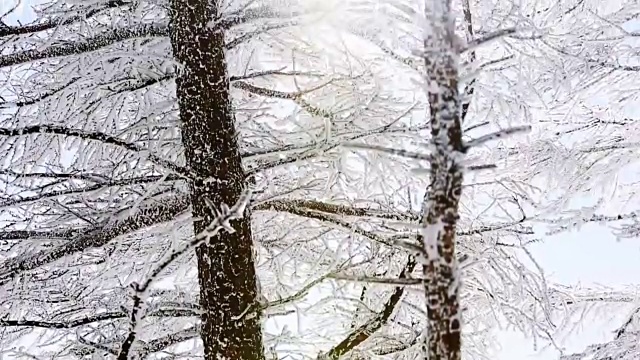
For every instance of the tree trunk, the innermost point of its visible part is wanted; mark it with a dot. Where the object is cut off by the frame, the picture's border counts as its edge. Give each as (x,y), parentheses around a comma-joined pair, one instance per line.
(441,201)
(226,270)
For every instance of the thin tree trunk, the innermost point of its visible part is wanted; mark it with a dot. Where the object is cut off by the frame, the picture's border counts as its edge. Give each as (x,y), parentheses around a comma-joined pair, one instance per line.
(226,270)
(441,201)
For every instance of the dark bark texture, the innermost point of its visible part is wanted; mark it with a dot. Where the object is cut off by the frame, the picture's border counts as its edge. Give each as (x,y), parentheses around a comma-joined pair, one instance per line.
(441,211)
(225,266)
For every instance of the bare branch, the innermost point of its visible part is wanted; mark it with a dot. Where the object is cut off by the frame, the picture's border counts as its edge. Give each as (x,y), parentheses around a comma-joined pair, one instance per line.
(497,135)
(362,333)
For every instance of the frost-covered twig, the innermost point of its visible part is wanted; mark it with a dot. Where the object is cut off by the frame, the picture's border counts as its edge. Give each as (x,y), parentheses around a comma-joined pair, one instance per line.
(95,136)
(55,22)
(487,38)
(392,151)
(95,236)
(97,42)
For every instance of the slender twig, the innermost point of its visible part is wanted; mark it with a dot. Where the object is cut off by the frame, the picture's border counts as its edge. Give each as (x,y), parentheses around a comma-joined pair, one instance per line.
(497,135)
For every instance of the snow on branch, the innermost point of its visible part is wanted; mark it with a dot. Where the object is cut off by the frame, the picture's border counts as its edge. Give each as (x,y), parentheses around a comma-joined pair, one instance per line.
(6,30)
(336,209)
(96,136)
(471,45)
(95,236)
(112,315)
(41,97)
(87,189)
(94,43)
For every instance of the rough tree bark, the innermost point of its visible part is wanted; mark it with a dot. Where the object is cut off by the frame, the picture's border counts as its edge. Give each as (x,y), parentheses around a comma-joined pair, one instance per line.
(442,198)
(225,266)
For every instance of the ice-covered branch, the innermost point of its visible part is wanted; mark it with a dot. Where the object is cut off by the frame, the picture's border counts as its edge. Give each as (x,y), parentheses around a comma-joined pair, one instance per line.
(336,209)
(94,43)
(6,30)
(95,136)
(95,236)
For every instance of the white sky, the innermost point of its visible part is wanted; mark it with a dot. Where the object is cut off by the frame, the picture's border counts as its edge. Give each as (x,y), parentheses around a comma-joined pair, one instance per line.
(589,256)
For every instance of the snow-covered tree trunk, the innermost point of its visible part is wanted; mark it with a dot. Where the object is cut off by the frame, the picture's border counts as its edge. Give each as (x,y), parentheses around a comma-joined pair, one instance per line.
(440,215)
(226,270)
